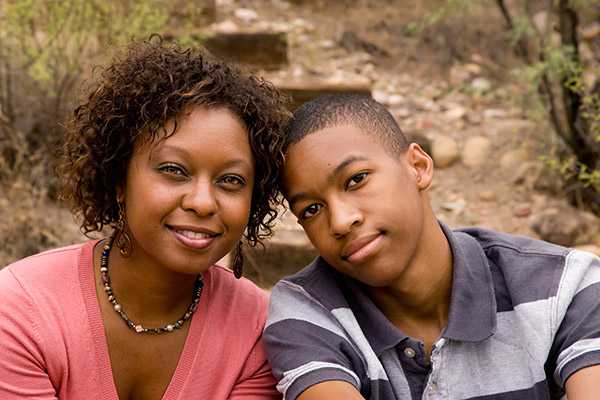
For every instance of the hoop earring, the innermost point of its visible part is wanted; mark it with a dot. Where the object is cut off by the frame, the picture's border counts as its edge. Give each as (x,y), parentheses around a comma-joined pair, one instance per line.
(238,260)
(122,239)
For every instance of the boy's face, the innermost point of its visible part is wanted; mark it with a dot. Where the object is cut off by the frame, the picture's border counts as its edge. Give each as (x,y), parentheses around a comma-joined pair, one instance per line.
(361,208)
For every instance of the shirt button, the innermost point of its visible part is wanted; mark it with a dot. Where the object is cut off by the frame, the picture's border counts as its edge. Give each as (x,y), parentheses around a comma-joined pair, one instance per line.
(432,388)
(408,352)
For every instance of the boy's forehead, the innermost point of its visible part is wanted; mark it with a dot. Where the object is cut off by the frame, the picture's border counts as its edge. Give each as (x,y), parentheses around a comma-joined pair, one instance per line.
(326,152)
(331,133)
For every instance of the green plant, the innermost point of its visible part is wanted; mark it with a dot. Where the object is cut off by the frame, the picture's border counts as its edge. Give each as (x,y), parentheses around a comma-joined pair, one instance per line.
(545,35)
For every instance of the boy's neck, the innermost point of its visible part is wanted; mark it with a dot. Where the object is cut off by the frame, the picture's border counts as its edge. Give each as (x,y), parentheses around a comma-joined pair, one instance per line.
(419,303)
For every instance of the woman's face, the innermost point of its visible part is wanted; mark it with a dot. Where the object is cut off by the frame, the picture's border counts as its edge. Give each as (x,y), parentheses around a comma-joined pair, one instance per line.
(187,198)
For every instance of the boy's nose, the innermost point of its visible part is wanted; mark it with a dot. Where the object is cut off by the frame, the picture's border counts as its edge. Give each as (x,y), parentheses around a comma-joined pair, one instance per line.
(200,199)
(342,218)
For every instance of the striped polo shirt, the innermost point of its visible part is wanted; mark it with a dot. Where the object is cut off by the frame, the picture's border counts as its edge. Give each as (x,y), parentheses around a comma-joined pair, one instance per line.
(524,315)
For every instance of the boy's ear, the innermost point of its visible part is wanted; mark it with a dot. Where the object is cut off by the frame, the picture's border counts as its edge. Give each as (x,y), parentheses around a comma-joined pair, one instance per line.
(421,165)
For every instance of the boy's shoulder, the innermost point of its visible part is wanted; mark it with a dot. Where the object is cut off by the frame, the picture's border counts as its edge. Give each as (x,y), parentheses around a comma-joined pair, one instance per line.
(317,281)
(489,239)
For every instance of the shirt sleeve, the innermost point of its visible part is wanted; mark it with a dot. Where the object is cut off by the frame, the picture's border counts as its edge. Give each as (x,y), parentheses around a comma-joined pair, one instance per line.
(22,366)
(305,344)
(577,341)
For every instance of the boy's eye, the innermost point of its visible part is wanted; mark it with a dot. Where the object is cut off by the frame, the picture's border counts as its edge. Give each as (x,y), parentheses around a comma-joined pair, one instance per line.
(233,180)
(356,179)
(310,211)
(173,169)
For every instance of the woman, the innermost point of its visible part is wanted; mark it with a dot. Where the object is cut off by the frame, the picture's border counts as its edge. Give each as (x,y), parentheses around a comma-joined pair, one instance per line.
(180,155)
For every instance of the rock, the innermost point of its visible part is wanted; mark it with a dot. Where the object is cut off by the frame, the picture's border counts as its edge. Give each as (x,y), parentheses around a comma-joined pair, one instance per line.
(444,151)
(515,160)
(380,96)
(327,44)
(459,74)
(420,139)
(522,210)
(477,151)
(395,100)
(524,174)
(456,207)
(566,228)
(246,15)
(481,84)
(402,113)
(227,26)
(473,69)
(494,113)
(455,112)
(590,31)
(488,195)
(549,180)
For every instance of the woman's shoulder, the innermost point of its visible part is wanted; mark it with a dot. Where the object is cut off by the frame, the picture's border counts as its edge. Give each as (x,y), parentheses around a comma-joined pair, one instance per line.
(52,264)
(222,278)
(241,295)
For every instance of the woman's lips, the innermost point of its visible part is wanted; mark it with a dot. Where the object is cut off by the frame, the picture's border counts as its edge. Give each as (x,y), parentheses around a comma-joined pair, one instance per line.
(196,238)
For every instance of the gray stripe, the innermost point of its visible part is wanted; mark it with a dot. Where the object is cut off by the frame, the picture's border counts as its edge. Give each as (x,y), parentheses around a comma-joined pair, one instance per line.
(290,301)
(395,374)
(575,351)
(500,363)
(292,375)
(348,321)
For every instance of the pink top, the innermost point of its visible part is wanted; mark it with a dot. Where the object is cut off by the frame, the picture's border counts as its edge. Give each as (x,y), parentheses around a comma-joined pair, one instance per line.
(52,342)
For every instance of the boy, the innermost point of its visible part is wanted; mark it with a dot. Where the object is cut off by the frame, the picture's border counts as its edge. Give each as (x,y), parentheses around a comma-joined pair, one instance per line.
(398,306)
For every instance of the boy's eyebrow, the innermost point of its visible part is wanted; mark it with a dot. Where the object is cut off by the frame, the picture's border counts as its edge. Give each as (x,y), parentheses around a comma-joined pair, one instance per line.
(331,177)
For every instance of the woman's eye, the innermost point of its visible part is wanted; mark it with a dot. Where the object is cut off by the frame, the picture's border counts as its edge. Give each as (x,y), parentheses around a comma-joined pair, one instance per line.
(356,179)
(171,169)
(310,211)
(233,180)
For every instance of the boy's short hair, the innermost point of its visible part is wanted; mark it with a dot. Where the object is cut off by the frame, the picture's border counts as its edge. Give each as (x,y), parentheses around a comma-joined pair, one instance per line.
(336,109)
(145,87)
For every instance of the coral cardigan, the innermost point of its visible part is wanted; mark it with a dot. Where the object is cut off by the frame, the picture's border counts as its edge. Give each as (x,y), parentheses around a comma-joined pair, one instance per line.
(52,342)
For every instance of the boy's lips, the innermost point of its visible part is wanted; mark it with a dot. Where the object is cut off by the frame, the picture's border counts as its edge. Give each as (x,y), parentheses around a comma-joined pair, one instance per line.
(361,247)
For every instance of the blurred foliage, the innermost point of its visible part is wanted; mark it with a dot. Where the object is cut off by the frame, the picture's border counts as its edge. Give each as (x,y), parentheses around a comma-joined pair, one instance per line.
(557,81)
(47,48)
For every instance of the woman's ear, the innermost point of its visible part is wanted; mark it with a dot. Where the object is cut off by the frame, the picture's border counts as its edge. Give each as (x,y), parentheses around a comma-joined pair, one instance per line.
(421,165)
(120,193)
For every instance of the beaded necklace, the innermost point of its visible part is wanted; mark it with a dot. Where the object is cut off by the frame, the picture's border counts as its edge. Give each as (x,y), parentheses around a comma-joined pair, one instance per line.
(117,307)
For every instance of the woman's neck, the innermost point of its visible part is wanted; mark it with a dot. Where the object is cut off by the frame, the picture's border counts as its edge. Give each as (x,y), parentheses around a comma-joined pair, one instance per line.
(147,292)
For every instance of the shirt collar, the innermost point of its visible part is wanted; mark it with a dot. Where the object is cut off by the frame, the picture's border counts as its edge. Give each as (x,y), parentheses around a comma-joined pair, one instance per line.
(473,303)
(472,306)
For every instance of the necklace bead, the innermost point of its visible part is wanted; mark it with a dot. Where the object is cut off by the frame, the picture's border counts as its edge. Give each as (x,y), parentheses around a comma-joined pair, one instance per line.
(117,307)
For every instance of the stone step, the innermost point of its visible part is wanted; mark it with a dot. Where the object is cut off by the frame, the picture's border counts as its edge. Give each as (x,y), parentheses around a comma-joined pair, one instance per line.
(303,91)
(286,253)
(266,50)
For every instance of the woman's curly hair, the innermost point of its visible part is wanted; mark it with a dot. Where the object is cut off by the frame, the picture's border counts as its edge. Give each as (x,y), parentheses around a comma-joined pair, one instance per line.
(150,84)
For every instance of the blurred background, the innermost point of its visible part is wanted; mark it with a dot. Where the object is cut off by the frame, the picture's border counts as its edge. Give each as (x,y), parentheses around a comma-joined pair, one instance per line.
(504,94)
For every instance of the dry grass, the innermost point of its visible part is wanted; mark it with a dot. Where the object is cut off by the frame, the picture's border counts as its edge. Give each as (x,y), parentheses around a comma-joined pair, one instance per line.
(31,221)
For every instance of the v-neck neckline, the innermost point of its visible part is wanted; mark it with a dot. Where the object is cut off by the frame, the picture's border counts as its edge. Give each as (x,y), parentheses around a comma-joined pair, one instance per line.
(92,305)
